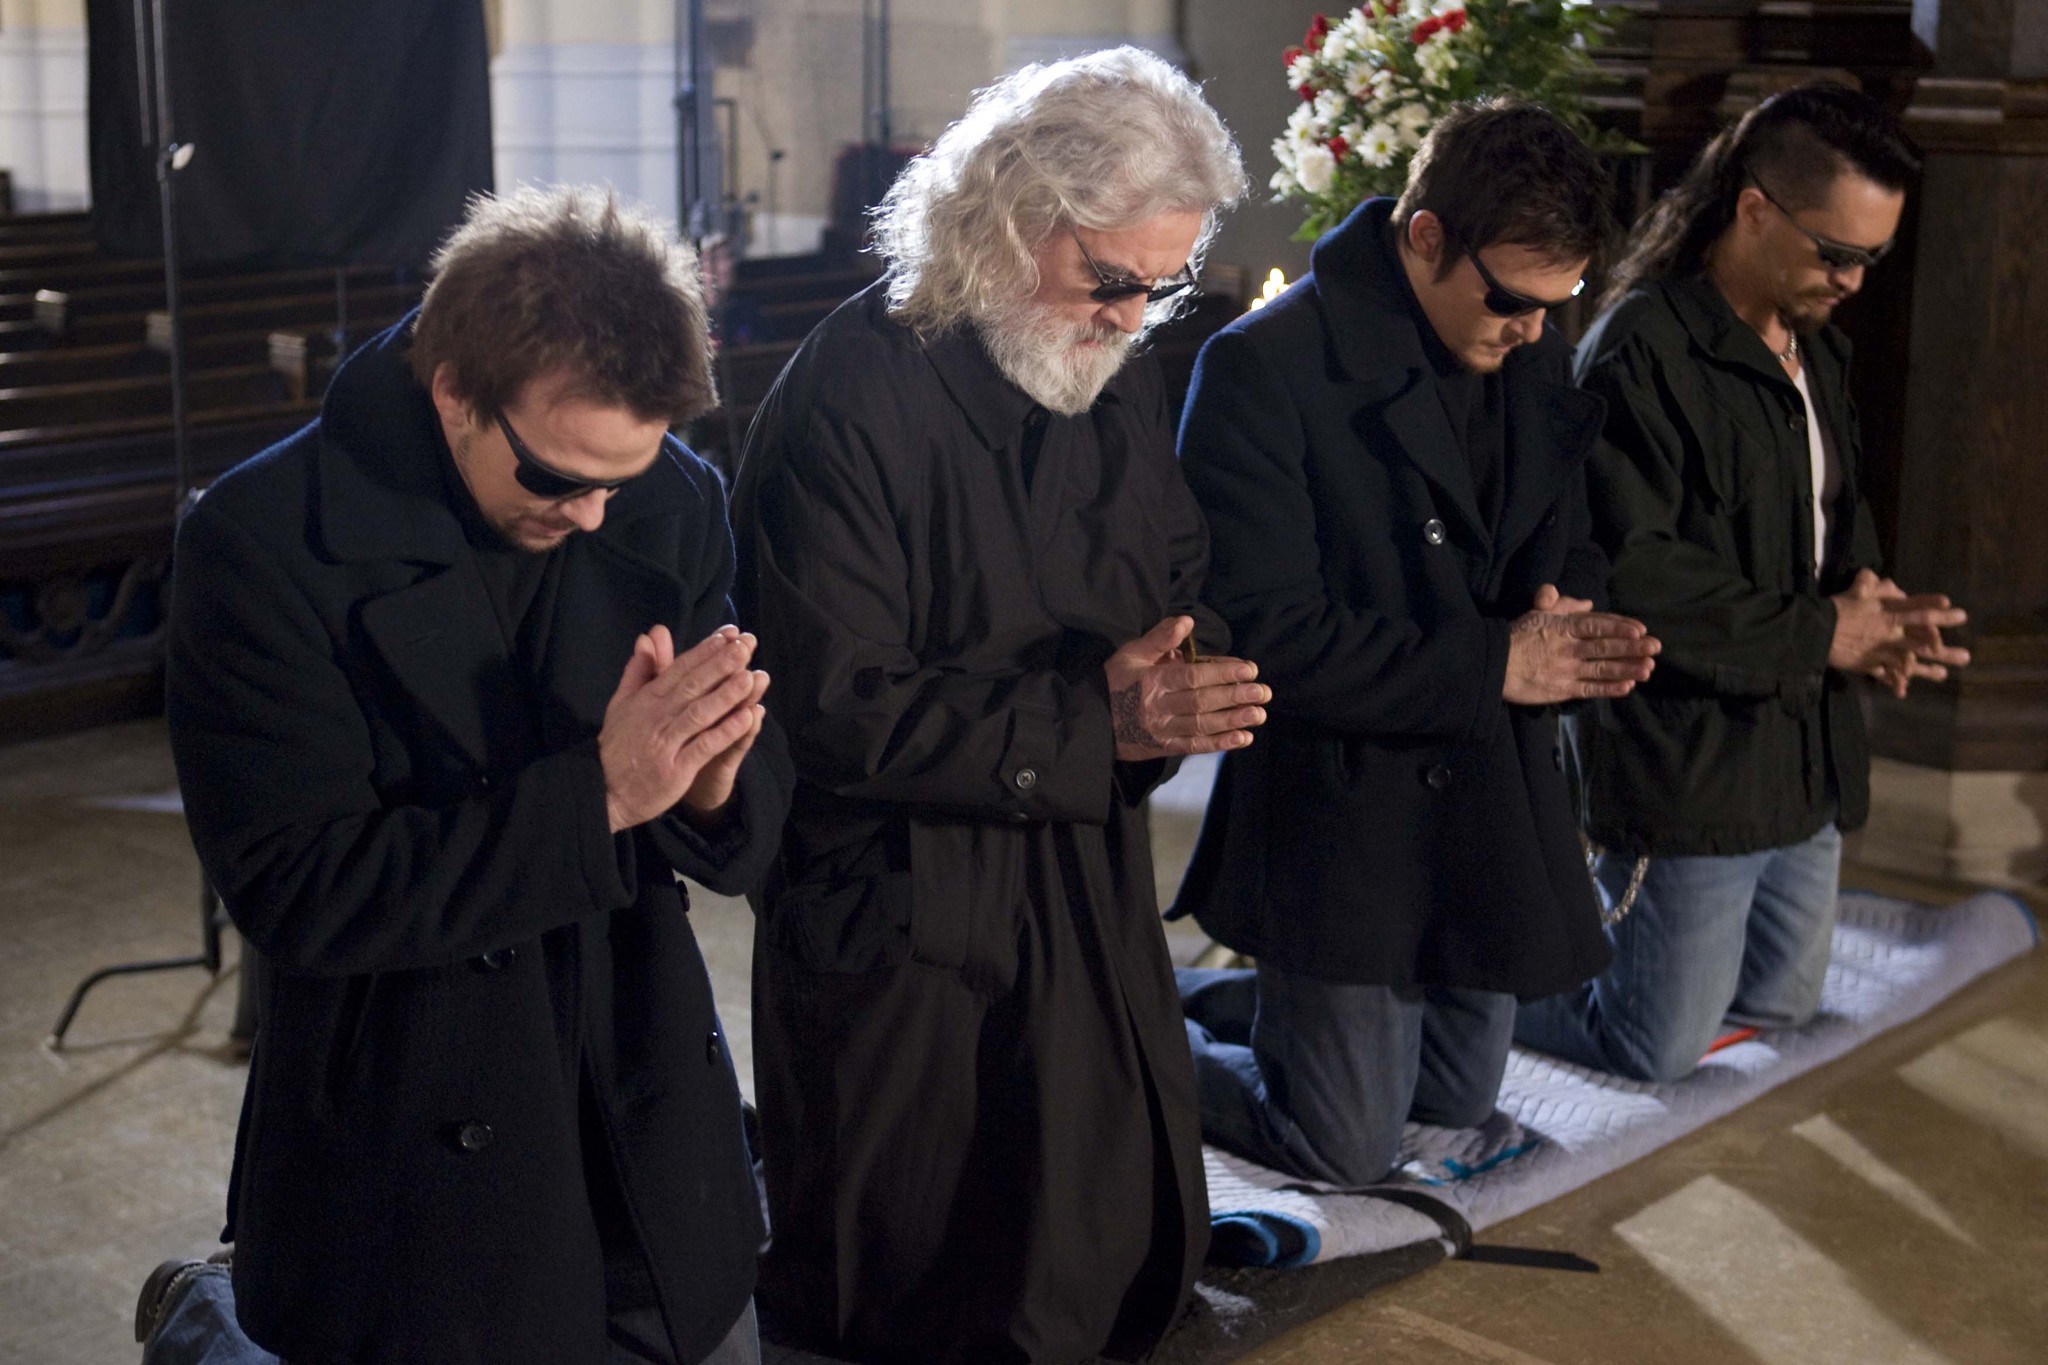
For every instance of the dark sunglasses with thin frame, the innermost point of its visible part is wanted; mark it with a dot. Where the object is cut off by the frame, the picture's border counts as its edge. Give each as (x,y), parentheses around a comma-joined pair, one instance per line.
(1833,254)
(1117,288)
(543,481)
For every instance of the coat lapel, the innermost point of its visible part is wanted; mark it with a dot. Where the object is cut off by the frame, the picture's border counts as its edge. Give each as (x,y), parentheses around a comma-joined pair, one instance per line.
(1551,429)
(1414,418)
(1374,336)
(608,596)
(383,500)
(440,639)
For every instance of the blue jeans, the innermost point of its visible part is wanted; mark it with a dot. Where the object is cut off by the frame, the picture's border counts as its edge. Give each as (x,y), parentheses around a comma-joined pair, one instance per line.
(1315,1078)
(201,1329)
(1713,942)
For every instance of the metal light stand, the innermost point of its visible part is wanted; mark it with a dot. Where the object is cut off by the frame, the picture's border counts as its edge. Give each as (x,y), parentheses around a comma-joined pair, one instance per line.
(877,126)
(152,72)
(696,128)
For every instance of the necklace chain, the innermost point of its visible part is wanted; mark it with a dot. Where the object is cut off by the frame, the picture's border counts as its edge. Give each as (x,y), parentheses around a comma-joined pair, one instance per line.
(1791,351)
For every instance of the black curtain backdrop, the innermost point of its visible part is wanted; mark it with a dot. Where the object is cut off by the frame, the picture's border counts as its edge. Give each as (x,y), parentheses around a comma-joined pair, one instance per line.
(324,133)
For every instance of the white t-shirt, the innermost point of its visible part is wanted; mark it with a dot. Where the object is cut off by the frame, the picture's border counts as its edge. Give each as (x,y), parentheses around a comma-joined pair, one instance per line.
(1827,470)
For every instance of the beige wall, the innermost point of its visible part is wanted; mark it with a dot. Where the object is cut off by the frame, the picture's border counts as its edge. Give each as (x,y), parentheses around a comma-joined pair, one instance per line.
(42,102)
(581,88)
(19,14)
(1234,50)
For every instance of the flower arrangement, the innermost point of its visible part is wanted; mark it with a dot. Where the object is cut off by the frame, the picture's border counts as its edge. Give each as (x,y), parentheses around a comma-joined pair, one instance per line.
(1372,84)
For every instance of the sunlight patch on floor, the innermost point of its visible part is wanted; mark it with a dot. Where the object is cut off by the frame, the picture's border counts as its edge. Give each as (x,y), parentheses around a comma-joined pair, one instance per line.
(1764,1284)
(1846,1148)
(1997,1074)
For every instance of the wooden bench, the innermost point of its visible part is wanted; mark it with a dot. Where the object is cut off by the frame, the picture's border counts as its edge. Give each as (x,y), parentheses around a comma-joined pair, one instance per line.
(35,255)
(59,311)
(45,227)
(273,314)
(305,357)
(836,285)
(47,405)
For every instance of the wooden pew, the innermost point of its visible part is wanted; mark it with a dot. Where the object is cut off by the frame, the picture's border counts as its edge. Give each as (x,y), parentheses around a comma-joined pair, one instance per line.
(295,310)
(34,255)
(305,357)
(99,400)
(45,227)
(60,311)
(80,364)
(836,285)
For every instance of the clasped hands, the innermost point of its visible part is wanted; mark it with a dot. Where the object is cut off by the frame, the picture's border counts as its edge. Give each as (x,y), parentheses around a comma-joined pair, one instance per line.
(1562,650)
(1894,637)
(1162,705)
(679,725)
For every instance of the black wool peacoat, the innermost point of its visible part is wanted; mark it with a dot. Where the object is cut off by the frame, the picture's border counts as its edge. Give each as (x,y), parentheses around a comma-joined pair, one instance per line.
(414,831)
(1395,822)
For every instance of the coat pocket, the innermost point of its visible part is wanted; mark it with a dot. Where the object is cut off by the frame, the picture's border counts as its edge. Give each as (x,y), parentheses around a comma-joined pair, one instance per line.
(848,925)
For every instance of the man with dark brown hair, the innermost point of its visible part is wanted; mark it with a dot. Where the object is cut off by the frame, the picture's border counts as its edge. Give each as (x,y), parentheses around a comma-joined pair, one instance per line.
(455,693)
(1391,462)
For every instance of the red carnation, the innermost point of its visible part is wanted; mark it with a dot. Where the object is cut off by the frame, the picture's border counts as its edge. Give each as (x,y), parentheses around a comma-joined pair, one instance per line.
(1290,56)
(1455,21)
(1426,30)
(1338,146)
(1318,28)
(1308,92)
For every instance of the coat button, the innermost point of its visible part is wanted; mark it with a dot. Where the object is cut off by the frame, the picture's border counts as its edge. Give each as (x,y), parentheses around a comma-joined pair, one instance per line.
(1433,531)
(1438,776)
(474,1137)
(1026,779)
(483,784)
(712,1054)
(498,958)
(1796,421)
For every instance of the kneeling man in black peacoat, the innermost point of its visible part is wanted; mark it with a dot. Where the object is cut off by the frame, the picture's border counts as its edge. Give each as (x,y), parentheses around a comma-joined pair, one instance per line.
(1391,460)
(455,693)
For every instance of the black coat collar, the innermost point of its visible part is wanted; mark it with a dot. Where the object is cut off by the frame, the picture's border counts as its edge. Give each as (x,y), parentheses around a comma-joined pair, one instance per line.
(382,494)
(381,497)
(1375,334)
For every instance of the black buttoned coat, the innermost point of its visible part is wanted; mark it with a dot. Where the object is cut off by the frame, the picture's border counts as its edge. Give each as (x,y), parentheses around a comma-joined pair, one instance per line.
(414,831)
(1395,821)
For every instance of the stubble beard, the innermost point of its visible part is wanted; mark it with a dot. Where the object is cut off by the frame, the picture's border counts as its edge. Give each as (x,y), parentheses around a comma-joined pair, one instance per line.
(515,531)
(1805,313)
(1046,355)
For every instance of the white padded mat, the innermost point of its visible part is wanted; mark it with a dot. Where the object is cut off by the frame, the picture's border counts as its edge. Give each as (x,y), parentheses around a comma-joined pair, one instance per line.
(1561,1126)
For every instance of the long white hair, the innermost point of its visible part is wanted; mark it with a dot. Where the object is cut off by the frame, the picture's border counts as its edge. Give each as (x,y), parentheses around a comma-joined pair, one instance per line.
(1103,141)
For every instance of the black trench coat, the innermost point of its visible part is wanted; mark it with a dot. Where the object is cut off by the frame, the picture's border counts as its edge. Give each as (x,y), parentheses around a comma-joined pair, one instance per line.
(979,1119)
(1397,821)
(424,853)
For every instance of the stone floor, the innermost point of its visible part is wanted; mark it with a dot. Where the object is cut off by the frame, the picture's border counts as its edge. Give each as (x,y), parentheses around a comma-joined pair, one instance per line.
(1890,1208)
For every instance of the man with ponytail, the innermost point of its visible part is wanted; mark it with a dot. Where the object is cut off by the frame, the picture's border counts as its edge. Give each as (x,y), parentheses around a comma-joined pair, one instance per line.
(1726,491)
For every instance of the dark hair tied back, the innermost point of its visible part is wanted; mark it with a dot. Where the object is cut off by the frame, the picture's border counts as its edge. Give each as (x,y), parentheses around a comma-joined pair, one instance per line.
(1796,142)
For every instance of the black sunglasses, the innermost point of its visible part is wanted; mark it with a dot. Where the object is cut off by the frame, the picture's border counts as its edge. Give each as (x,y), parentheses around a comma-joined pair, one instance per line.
(539,479)
(1504,302)
(1833,254)
(1116,288)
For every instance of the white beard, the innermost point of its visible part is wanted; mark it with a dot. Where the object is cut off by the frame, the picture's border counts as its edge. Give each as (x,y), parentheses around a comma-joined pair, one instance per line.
(1041,353)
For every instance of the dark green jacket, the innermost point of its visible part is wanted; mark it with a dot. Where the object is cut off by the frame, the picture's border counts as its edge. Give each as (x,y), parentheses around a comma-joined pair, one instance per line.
(1702,496)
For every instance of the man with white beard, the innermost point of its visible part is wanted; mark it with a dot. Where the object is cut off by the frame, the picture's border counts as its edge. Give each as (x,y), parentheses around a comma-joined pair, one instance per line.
(966,545)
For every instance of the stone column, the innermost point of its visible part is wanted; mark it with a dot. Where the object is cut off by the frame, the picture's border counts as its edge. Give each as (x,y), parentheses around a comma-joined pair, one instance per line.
(1960,770)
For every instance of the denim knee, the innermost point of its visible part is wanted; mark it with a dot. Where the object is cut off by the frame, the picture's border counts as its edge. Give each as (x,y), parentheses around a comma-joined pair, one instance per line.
(1668,1055)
